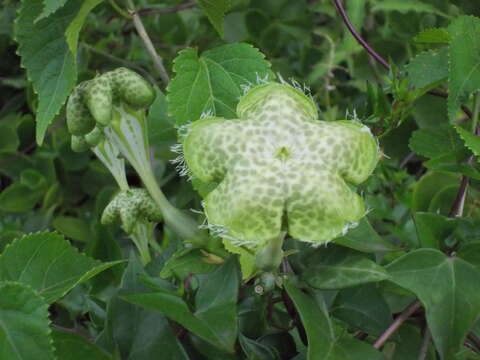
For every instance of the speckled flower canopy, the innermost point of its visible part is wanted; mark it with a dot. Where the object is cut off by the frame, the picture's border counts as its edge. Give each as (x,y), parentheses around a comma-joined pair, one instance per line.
(279,168)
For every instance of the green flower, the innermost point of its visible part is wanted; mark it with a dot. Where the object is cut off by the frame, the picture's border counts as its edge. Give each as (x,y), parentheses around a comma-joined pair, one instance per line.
(279,168)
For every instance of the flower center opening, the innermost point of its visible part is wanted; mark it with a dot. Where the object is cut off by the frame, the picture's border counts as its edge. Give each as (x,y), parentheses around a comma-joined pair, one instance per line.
(283,153)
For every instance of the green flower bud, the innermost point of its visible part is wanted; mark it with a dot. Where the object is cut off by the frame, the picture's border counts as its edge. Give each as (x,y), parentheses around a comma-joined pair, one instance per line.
(79,119)
(98,98)
(132,88)
(279,168)
(132,207)
(94,137)
(79,144)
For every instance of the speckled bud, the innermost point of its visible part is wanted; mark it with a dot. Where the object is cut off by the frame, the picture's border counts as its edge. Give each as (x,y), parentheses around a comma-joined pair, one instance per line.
(132,88)
(131,207)
(98,98)
(79,119)
(278,166)
(79,144)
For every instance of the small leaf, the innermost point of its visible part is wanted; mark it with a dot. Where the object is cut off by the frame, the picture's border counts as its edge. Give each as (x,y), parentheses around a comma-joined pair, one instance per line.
(247,258)
(464,76)
(216,10)
(45,55)
(48,263)
(448,289)
(432,229)
(428,68)
(365,239)
(215,317)
(323,343)
(18,198)
(75,347)
(336,268)
(153,334)
(364,308)
(213,82)
(471,140)
(404,6)
(24,324)
(433,36)
(73,228)
(76,25)
(434,142)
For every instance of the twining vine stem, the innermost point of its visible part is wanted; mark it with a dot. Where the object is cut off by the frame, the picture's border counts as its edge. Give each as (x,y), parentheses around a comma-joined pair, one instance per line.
(400,319)
(147,42)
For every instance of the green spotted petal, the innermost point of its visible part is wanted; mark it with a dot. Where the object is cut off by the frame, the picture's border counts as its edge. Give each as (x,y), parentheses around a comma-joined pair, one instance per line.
(321,206)
(280,169)
(247,206)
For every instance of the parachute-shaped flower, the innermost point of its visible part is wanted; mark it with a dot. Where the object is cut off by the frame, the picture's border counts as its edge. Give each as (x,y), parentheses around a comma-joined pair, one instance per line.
(279,168)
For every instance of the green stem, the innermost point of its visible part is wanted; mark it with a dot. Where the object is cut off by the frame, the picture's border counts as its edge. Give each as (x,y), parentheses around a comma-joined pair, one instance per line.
(476,112)
(129,133)
(119,10)
(148,44)
(141,237)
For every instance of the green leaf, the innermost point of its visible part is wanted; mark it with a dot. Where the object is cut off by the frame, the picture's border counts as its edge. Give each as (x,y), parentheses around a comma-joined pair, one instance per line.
(428,186)
(464,61)
(364,308)
(216,10)
(50,6)
(214,319)
(433,36)
(73,228)
(365,239)
(336,268)
(434,142)
(9,140)
(24,324)
(45,55)
(213,82)
(186,261)
(48,263)
(428,68)
(448,289)
(471,140)
(432,229)
(470,252)
(153,334)
(18,198)
(75,347)
(255,350)
(323,343)
(404,6)
(73,30)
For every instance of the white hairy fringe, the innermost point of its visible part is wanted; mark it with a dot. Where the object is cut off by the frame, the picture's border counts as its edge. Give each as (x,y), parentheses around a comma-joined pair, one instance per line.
(184,130)
(179,161)
(260,80)
(207,113)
